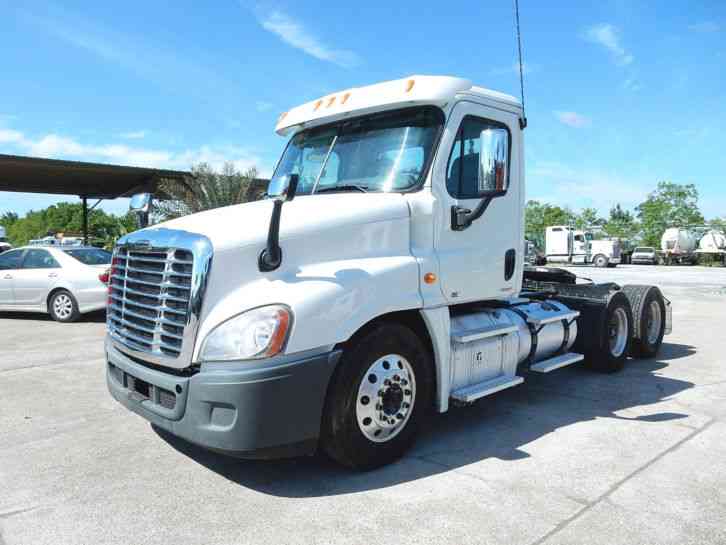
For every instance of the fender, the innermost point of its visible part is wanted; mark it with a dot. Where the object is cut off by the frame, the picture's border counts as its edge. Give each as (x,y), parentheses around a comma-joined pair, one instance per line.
(374,274)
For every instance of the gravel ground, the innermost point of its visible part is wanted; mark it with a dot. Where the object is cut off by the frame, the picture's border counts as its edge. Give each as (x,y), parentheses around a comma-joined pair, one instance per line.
(569,457)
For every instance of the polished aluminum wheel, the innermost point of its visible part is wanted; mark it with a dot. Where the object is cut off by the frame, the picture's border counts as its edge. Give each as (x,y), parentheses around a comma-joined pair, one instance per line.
(618,332)
(386,398)
(655,320)
(62,306)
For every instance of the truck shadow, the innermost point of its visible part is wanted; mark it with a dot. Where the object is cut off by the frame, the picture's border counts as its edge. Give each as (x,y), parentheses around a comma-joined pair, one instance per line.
(97,316)
(494,427)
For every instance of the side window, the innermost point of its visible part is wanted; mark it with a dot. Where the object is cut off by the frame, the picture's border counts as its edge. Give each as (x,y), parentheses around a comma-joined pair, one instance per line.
(39,259)
(579,238)
(479,161)
(10,260)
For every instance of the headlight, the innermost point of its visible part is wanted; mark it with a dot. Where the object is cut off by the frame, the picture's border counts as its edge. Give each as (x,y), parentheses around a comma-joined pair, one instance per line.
(257,333)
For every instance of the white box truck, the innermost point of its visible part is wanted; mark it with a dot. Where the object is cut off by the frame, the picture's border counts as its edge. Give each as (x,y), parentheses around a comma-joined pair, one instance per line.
(565,244)
(383,279)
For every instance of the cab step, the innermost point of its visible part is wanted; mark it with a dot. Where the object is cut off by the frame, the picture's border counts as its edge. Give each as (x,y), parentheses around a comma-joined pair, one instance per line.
(545,366)
(471,393)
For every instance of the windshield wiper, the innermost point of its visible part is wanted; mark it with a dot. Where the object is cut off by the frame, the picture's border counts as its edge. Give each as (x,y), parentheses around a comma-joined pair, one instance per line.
(348,187)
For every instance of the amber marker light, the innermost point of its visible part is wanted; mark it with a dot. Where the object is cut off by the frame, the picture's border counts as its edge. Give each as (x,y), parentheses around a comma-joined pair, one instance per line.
(410,84)
(318,104)
(429,278)
(282,116)
(331,100)
(346,96)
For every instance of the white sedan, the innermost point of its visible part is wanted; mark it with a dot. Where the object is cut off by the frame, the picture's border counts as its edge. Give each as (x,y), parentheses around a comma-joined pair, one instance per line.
(64,282)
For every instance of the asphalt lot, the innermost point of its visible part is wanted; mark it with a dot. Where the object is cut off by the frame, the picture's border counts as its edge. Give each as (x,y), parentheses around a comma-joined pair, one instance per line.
(566,458)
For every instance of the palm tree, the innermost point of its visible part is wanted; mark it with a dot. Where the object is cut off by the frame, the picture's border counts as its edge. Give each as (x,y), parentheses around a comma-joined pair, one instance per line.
(204,190)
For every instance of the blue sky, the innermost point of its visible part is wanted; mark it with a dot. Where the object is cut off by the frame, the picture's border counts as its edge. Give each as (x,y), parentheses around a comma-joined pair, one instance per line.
(620,94)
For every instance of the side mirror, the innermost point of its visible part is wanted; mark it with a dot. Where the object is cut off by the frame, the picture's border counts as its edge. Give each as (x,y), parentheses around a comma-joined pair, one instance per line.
(493,155)
(283,188)
(141,206)
(284,191)
(492,176)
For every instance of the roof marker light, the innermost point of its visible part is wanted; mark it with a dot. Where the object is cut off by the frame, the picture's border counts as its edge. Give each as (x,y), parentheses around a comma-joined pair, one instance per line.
(346,96)
(282,116)
(331,100)
(409,85)
(318,104)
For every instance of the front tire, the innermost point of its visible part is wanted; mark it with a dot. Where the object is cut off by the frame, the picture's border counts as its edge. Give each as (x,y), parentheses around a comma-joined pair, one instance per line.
(63,307)
(378,397)
(600,261)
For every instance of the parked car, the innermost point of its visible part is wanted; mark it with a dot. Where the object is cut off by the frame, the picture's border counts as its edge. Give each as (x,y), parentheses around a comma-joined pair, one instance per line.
(64,282)
(644,255)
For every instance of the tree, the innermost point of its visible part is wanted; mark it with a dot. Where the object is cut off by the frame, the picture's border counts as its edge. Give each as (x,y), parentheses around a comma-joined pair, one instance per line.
(206,189)
(588,218)
(538,215)
(67,218)
(621,224)
(670,205)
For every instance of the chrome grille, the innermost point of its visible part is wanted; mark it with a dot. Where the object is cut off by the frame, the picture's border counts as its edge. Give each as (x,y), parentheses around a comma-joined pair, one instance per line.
(149,295)
(156,289)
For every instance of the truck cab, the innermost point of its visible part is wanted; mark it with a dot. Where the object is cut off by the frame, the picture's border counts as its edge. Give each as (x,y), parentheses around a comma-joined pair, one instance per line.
(565,244)
(382,279)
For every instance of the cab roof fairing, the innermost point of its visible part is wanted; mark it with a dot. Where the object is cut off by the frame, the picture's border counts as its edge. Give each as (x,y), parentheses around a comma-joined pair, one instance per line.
(410,91)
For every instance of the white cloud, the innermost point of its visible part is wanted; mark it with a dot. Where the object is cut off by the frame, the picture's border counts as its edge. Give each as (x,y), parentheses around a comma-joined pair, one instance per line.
(296,35)
(263,106)
(514,69)
(573,119)
(63,147)
(608,37)
(632,84)
(133,135)
(706,26)
(565,185)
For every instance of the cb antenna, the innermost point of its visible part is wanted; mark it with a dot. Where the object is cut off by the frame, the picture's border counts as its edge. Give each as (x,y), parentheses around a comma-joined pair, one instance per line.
(523,119)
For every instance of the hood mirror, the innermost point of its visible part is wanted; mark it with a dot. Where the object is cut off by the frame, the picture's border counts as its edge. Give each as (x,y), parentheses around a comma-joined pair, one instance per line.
(140,205)
(282,190)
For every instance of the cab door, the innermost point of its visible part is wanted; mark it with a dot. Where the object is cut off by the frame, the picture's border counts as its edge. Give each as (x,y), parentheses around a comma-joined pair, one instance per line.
(478,169)
(9,267)
(38,274)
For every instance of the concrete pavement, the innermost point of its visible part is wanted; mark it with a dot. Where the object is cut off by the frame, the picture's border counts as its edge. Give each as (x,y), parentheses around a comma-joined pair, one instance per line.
(570,457)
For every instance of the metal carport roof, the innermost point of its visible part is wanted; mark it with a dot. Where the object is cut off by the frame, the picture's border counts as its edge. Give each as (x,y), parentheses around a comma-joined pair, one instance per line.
(89,180)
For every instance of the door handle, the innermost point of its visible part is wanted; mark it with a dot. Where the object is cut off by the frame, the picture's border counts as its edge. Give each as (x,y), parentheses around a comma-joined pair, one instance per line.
(8,277)
(52,275)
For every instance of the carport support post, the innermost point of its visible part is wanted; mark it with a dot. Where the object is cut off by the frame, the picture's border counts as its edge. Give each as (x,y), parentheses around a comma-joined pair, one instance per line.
(85,221)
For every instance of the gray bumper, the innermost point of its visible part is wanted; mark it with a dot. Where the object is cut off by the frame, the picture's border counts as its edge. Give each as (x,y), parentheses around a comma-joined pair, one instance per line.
(245,409)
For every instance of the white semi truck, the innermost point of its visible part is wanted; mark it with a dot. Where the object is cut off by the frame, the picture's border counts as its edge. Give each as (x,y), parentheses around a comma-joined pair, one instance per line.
(4,244)
(383,279)
(565,244)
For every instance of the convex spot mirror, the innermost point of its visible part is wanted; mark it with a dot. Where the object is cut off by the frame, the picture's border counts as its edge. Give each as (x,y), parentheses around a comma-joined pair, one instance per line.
(493,155)
(283,188)
(141,202)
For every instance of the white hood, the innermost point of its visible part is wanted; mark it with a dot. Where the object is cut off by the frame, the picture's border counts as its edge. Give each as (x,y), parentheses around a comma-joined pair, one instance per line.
(245,224)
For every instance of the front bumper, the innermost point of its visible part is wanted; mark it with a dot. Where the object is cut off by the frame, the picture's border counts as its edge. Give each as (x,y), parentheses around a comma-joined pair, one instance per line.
(245,409)
(643,260)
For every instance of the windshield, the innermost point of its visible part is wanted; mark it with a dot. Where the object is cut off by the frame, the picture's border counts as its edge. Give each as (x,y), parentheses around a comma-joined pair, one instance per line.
(384,152)
(91,256)
(643,250)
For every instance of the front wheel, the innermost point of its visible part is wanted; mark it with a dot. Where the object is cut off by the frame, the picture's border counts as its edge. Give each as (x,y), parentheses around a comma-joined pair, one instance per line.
(380,394)
(600,261)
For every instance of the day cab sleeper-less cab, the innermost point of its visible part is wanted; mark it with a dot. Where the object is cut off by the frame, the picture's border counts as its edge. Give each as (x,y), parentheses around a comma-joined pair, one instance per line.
(381,280)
